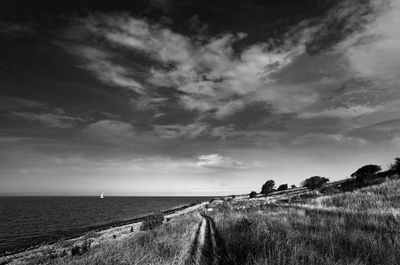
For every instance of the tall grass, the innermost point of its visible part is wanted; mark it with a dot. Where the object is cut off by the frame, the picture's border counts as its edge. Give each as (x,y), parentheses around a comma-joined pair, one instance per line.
(384,197)
(349,234)
(167,244)
(295,236)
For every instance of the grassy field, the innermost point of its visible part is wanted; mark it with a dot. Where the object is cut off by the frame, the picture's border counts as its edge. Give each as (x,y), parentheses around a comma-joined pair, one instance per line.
(361,227)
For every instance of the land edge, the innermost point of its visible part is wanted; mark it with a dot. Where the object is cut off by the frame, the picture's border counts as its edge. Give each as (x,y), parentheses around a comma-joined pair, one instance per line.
(102,233)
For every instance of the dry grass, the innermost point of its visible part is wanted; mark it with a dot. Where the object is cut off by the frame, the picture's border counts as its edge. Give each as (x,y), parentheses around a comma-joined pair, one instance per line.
(384,197)
(351,234)
(167,244)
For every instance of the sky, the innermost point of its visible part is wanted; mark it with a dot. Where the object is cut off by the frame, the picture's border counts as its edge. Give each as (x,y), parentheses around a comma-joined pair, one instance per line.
(177,97)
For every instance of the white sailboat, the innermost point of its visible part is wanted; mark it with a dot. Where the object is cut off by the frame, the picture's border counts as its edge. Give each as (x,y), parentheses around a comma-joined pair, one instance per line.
(102,196)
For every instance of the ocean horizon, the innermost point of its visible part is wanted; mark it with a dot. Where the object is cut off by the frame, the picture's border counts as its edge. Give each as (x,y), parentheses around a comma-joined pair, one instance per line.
(27,221)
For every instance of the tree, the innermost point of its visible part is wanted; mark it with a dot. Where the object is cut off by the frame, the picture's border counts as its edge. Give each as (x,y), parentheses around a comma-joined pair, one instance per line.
(293,187)
(253,194)
(268,187)
(395,167)
(315,182)
(366,172)
(283,187)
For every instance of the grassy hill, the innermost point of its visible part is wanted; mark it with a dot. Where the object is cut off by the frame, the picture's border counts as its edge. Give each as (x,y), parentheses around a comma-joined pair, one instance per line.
(360,227)
(353,228)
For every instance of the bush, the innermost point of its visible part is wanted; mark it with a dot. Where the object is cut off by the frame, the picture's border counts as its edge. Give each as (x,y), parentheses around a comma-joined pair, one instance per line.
(80,248)
(283,187)
(75,250)
(366,172)
(253,194)
(152,221)
(315,182)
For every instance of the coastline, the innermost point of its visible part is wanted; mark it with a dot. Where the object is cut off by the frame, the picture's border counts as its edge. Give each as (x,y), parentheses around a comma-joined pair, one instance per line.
(92,236)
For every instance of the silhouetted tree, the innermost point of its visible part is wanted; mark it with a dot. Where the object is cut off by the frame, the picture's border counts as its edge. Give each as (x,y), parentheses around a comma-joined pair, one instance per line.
(283,187)
(268,187)
(253,194)
(366,172)
(315,182)
(395,167)
(293,187)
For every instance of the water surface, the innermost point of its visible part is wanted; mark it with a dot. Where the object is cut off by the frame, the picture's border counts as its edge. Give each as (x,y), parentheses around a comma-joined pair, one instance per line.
(26,221)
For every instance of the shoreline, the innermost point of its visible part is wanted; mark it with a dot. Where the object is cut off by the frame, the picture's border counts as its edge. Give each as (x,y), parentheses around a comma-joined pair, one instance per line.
(93,234)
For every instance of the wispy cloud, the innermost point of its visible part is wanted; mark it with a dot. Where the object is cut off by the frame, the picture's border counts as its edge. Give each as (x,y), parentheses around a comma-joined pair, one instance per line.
(17,103)
(373,51)
(382,131)
(16,29)
(58,118)
(212,77)
(164,5)
(101,64)
(189,131)
(341,112)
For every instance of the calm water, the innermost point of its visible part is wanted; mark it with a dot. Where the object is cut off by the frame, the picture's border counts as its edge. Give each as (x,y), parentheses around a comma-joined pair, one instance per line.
(25,221)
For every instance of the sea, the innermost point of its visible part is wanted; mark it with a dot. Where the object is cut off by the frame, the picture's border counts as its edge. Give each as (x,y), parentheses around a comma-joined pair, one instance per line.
(30,221)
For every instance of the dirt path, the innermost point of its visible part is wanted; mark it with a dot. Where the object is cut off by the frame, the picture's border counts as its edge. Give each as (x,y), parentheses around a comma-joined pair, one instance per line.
(207,247)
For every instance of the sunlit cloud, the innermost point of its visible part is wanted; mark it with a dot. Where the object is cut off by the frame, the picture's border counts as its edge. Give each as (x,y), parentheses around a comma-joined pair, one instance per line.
(216,161)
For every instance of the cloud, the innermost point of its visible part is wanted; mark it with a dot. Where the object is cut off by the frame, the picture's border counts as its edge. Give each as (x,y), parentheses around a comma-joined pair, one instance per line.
(196,25)
(145,102)
(382,131)
(112,131)
(374,51)
(229,108)
(58,118)
(101,65)
(15,103)
(346,113)
(207,71)
(216,161)
(164,5)
(310,78)
(190,131)
(156,41)
(215,76)
(334,139)
(16,29)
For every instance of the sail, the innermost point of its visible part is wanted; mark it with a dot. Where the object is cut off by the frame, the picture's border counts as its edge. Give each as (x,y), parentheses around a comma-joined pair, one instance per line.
(102,196)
